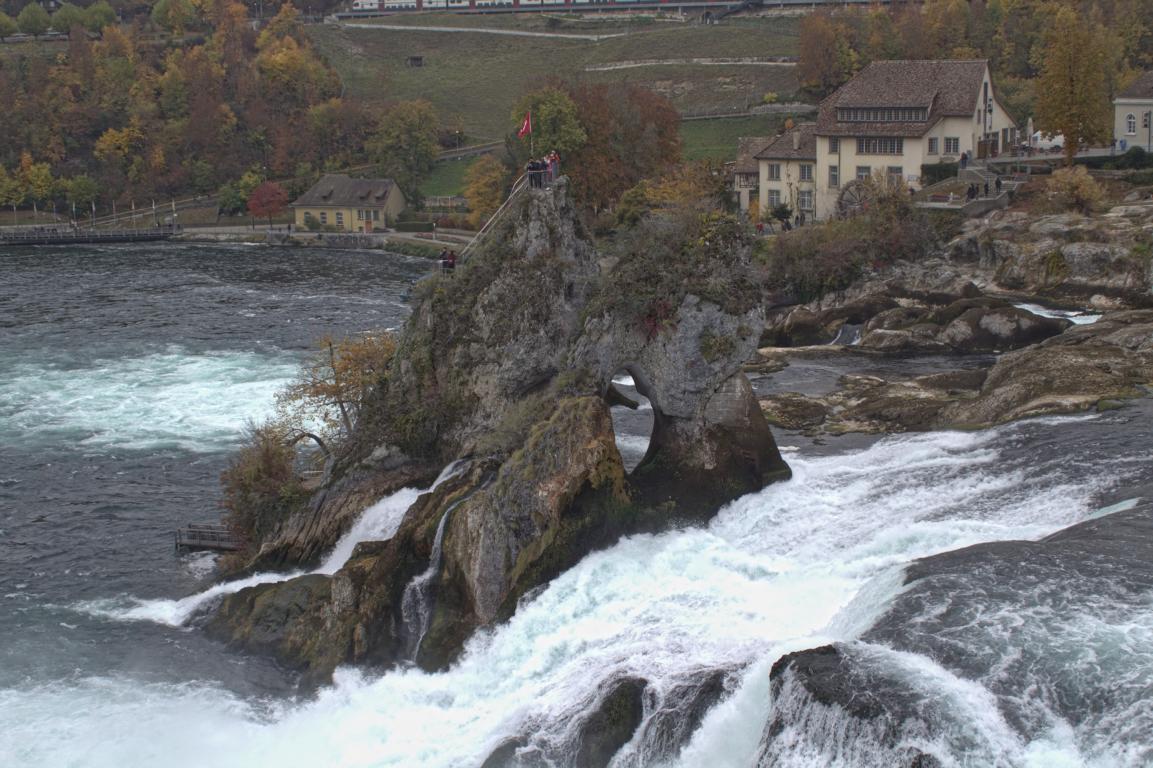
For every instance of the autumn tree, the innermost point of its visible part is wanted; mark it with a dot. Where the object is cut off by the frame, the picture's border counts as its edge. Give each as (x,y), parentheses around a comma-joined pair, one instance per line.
(11,191)
(484,187)
(406,145)
(335,382)
(8,25)
(174,16)
(555,122)
(267,200)
(35,179)
(33,20)
(827,58)
(631,134)
(1073,89)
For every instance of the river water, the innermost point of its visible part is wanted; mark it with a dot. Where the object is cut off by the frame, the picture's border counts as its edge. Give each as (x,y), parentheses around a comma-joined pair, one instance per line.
(126,376)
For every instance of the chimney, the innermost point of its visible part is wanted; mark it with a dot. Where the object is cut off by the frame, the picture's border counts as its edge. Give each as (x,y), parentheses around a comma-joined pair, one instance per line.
(796,139)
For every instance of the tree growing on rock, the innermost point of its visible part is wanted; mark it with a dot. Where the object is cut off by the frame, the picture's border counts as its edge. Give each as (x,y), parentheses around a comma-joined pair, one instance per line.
(267,200)
(556,125)
(334,383)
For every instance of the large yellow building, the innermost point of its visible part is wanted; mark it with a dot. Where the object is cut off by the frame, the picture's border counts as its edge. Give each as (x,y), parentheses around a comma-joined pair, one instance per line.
(892,118)
(350,205)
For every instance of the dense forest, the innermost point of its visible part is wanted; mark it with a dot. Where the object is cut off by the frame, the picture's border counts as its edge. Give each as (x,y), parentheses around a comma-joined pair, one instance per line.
(137,114)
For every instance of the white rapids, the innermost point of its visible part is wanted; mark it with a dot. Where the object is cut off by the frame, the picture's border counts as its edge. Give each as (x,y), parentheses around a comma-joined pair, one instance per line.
(802,563)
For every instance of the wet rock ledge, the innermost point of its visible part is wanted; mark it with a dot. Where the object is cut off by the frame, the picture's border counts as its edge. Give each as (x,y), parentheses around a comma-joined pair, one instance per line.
(507,366)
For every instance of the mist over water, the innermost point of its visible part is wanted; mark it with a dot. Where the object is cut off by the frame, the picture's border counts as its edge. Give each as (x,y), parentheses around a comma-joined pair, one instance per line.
(98,667)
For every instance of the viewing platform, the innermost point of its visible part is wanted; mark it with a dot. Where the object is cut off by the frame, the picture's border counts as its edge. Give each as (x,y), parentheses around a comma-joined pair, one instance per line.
(69,236)
(200,537)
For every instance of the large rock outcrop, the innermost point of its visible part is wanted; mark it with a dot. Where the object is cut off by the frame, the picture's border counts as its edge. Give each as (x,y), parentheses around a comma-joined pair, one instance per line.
(508,365)
(1102,260)
(1087,366)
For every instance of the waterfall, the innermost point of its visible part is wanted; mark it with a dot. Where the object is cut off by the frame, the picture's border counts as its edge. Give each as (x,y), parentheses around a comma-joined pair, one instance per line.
(849,335)
(416,605)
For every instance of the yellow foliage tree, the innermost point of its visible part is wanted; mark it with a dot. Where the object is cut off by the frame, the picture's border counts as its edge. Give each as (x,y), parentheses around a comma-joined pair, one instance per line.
(335,382)
(1073,89)
(484,188)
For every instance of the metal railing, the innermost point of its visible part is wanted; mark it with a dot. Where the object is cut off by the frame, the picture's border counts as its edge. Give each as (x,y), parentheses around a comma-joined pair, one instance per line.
(518,185)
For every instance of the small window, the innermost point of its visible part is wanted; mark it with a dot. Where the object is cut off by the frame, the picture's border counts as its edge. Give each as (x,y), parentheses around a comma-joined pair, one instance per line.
(340,217)
(834,176)
(952,145)
(774,198)
(864,173)
(774,172)
(376,214)
(934,146)
(805,199)
(834,145)
(324,217)
(1131,124)
(360,214)
(895,173)
(806,172)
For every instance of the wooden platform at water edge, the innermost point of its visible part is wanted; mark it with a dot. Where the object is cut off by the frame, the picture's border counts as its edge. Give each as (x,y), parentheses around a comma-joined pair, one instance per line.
(199,537)
(55,236)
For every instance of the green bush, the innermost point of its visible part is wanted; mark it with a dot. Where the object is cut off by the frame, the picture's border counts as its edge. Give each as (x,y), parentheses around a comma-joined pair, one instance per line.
(932,173)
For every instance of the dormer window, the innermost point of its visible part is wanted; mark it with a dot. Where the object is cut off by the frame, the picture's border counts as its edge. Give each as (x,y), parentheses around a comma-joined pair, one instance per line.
(882,114)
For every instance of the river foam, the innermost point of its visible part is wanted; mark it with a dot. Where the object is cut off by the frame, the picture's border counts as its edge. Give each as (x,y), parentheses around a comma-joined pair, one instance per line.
(170,398)
(800,564)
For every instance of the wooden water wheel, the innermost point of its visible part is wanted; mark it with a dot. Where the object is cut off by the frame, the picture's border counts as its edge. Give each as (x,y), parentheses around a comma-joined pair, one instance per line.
(854,199)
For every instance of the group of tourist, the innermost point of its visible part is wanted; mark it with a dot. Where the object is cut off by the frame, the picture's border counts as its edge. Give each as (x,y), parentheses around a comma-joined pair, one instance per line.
(974,190)
(447,260)
(543,170)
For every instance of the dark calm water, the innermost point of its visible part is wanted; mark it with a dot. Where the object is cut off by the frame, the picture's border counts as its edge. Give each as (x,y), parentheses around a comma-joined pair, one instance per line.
(126,377)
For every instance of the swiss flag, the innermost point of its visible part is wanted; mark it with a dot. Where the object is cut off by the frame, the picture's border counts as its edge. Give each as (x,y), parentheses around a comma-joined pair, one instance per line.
(526,126)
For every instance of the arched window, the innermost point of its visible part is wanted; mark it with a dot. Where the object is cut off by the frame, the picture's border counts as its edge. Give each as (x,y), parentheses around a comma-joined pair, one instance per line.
(1130,123)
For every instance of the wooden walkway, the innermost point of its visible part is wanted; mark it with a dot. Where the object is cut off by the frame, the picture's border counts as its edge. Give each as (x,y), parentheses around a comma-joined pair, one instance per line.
(197,537)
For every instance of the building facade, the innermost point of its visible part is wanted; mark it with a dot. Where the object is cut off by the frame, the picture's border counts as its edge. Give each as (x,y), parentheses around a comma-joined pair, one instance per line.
(888,121)
(340,202)
(1133,115)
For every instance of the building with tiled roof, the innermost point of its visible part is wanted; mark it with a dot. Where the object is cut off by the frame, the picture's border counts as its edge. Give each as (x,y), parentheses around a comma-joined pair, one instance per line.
(787,166)
(1133,114)
(890,119)
(745,171)
(341,202)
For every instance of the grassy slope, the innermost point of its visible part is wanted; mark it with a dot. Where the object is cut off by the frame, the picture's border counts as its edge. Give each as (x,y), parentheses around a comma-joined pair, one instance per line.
(447,178)
(480,77)
(717,139)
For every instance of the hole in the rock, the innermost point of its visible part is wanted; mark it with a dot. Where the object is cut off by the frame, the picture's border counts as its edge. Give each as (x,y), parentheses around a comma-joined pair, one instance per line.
(633,426)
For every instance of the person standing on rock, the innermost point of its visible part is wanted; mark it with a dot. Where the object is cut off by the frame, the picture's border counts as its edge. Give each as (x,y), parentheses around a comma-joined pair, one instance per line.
(986,189)
(553,165)
(997,185)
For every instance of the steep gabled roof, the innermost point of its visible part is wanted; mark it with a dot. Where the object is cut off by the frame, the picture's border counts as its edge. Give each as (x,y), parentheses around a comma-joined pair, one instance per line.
(946,88)
(338,189)
(747,150)
(1141,88)
(785,147)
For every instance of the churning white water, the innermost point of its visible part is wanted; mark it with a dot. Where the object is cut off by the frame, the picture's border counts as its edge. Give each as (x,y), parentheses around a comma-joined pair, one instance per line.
(173,398)
(802,563)
(1078,318)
